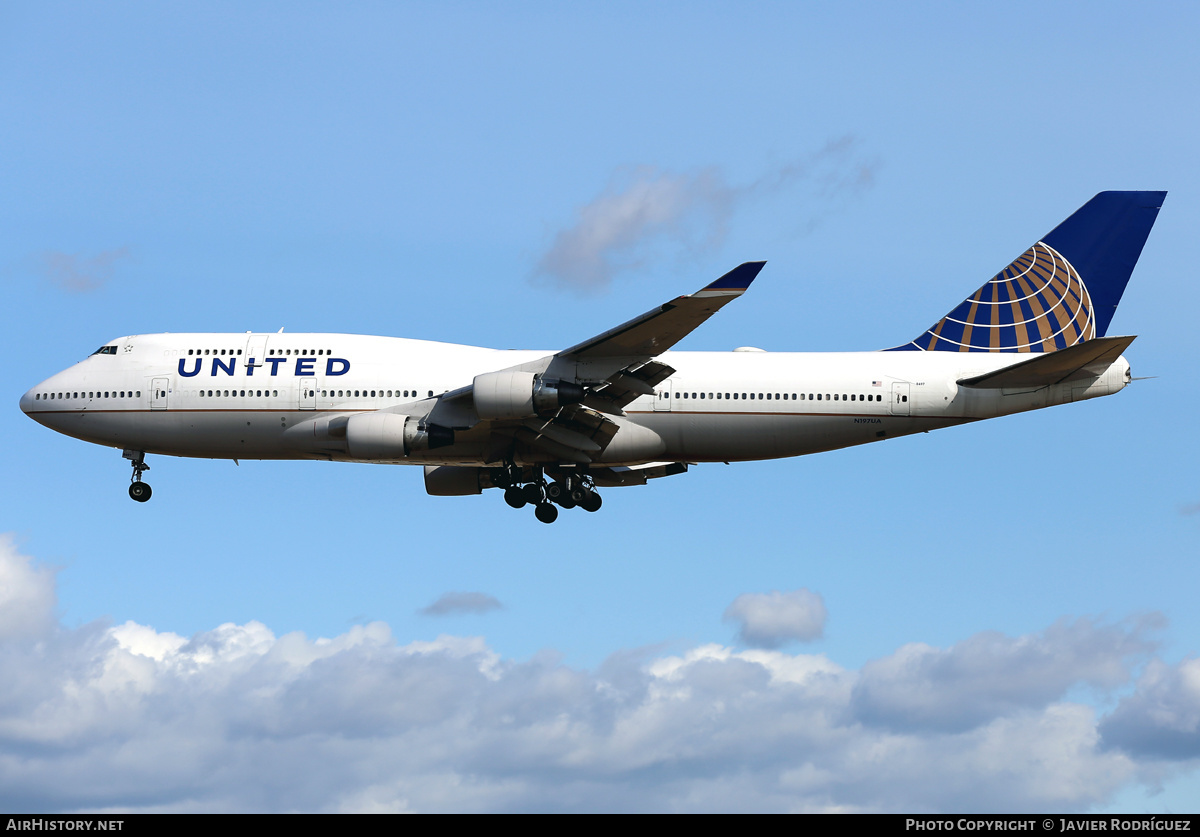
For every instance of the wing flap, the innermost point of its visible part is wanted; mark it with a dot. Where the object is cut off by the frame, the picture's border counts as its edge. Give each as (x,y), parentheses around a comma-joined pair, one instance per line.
(624,386)
(637,474)
(1088,358)
(575,434)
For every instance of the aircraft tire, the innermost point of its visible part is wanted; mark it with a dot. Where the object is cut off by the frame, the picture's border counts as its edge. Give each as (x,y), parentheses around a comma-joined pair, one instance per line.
(532,493)
(514,496)
(546,513)
(591,502)
(140,491)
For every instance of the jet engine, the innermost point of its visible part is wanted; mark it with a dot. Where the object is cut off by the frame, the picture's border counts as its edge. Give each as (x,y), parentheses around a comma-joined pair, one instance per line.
(392,436)
(518,395)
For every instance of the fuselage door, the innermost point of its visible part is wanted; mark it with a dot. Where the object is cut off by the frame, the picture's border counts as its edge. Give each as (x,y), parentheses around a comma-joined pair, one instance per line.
(308,393)
(900,402)
(159,388)
(662,401)
(256,351)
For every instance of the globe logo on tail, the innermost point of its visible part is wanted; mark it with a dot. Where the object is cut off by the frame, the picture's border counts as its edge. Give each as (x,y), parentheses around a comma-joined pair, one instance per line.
(1037,304)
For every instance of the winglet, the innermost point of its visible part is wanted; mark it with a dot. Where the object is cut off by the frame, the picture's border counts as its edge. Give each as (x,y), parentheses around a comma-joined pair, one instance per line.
(738,279)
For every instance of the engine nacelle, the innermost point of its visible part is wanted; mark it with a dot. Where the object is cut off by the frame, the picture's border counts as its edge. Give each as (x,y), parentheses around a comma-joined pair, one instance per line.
(392,436)
(518,395)
(453,480)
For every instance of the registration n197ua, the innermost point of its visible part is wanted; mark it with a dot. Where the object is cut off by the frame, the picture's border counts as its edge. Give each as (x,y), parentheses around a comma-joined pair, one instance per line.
(549,429)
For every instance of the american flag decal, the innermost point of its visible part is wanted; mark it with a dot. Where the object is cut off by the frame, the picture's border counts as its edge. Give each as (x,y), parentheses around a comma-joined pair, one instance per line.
(876,383)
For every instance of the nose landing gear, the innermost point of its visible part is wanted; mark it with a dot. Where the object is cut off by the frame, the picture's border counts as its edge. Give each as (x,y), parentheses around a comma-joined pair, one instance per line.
(138,490)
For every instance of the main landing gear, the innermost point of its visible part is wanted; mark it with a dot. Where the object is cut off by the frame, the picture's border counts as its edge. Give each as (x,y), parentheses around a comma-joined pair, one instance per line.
(568,490)
(138,490)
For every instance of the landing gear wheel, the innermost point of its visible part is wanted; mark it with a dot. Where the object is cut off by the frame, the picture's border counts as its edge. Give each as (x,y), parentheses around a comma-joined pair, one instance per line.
(533,493)
(546,513)
(555,491)
(515,496)
(591,502)
(138,490)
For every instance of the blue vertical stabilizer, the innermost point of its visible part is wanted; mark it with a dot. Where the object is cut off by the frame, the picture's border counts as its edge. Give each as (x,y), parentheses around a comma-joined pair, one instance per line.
(1060,292)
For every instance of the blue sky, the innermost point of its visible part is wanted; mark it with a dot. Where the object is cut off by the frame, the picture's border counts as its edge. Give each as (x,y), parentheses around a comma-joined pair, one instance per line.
(405,170)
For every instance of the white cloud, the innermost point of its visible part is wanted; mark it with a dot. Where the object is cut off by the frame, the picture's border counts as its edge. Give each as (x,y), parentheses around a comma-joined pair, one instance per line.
(991,674)
(27,598)
(1162,717)
(642,208)
(769,620)
(78,274)
(238,719)
(449,603)
(645,211)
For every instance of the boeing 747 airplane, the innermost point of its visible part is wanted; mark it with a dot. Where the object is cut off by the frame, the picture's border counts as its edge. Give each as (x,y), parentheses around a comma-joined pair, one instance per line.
(550,428)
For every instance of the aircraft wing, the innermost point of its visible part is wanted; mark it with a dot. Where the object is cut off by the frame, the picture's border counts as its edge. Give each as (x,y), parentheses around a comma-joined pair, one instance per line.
(598,376)
(658,330)
(618,365)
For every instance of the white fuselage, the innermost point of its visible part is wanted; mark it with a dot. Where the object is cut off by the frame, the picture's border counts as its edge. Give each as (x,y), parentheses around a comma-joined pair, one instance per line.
(198,395)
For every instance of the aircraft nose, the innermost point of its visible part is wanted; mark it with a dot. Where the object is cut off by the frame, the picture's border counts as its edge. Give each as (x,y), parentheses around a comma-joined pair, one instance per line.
(30,405)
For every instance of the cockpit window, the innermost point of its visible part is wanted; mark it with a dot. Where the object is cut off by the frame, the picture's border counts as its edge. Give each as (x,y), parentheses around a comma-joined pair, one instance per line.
(106,350)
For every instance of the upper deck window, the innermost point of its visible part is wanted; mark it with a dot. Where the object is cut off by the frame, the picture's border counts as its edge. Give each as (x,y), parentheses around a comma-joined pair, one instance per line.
(106,350)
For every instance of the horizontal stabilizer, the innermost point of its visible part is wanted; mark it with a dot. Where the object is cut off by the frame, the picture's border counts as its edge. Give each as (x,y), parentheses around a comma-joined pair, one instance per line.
(1089,358)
